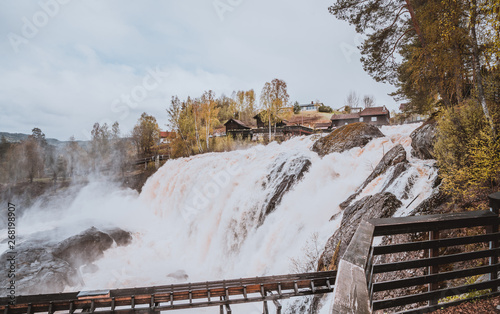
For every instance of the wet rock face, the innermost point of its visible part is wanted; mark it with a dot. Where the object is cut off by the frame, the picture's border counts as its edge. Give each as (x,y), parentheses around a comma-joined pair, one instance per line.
(49,266)
(283,176)
(380,205)
(346,137)
(394,157)
(83,248)
(423,139)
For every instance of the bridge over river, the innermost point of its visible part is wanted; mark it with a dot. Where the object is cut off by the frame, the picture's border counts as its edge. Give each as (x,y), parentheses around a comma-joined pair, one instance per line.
(180,296)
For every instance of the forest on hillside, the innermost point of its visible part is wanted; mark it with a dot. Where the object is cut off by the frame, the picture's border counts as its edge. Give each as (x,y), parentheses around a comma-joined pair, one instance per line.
(443,57)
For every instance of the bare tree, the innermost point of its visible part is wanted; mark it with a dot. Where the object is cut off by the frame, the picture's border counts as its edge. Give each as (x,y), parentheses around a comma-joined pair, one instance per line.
(368,101)
(311,254)
(352,100)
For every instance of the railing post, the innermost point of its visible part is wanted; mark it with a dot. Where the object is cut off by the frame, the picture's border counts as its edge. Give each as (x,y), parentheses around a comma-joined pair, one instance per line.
(351,295)
(494,202)
(433,235)
(494,207)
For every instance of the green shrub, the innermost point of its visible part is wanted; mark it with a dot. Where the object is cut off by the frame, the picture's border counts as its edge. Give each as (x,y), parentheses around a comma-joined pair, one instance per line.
(324,108)
(296,108)
(467,153)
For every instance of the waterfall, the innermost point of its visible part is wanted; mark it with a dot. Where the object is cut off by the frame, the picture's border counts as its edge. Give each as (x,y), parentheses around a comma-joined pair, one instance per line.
(227,215)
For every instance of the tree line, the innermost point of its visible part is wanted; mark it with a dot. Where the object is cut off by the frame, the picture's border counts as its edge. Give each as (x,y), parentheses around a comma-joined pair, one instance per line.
(443,58)
(192,122)
(107,152)
(194,119)
(34,158)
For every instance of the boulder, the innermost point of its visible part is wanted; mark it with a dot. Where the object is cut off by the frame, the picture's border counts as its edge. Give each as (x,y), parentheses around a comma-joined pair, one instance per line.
(423,139)
(380,205)
(396,157)
(121,237)
(83,248)
(46,266)
(346,137)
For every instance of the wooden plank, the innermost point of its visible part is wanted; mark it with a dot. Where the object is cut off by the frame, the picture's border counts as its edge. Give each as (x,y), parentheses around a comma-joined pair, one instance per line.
(421,297)
(411,224)
(425,262)
(424,245)
(435,278)
(433,269)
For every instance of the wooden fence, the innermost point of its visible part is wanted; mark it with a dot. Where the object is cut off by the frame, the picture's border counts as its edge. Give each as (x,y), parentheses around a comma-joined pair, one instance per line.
(439,278)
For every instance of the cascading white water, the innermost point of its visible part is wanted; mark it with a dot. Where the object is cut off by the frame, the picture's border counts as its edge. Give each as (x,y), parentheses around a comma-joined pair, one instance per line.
(204,217)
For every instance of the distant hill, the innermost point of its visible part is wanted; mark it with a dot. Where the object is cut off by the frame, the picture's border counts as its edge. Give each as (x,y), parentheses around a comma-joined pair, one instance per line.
(18,137)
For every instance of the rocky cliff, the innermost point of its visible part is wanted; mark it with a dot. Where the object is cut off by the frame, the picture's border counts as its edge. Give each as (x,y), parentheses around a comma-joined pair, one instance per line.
(346,137)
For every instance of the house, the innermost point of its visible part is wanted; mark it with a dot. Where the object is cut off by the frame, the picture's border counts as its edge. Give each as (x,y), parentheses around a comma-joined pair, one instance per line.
(310,107)
(166,137)
(342,119)
(372,115)
(375,115)
(236,128)
(218,132)
(233,124)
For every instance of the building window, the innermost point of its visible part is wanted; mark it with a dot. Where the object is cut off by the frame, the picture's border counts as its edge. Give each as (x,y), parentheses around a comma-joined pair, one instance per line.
(361,119)
(374,119)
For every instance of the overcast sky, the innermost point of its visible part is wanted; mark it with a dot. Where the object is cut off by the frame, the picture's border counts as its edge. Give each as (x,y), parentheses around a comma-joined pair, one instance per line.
(66,64)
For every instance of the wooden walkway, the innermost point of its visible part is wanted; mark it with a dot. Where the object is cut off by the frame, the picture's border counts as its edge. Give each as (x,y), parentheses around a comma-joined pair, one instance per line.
(181,296)
(149,159)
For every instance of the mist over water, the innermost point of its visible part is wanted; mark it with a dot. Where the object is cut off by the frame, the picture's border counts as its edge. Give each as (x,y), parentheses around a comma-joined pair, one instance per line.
(204,217)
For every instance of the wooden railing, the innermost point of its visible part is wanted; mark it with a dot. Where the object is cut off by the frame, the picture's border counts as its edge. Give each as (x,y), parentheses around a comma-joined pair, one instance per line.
(431,266)
(176,297)
(438,278)
(150,159)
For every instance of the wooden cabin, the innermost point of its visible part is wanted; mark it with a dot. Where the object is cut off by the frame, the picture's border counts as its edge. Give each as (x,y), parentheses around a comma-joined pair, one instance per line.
(236,128)
(233,124)
(373,115)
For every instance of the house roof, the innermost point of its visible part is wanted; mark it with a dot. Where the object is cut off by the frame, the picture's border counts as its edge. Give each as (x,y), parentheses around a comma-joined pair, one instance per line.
(314,104)
(345,116)
(219,131)
(165,134)
(374,111)
(238,122)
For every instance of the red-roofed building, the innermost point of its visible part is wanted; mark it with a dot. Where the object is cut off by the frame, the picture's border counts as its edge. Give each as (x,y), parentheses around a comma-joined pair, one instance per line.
(373,115)
(166,137)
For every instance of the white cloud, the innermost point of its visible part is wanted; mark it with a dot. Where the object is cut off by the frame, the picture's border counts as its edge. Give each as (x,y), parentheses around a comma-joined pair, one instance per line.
(91,53)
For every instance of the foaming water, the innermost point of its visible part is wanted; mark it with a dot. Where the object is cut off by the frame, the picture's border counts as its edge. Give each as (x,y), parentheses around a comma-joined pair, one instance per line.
(204,217)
